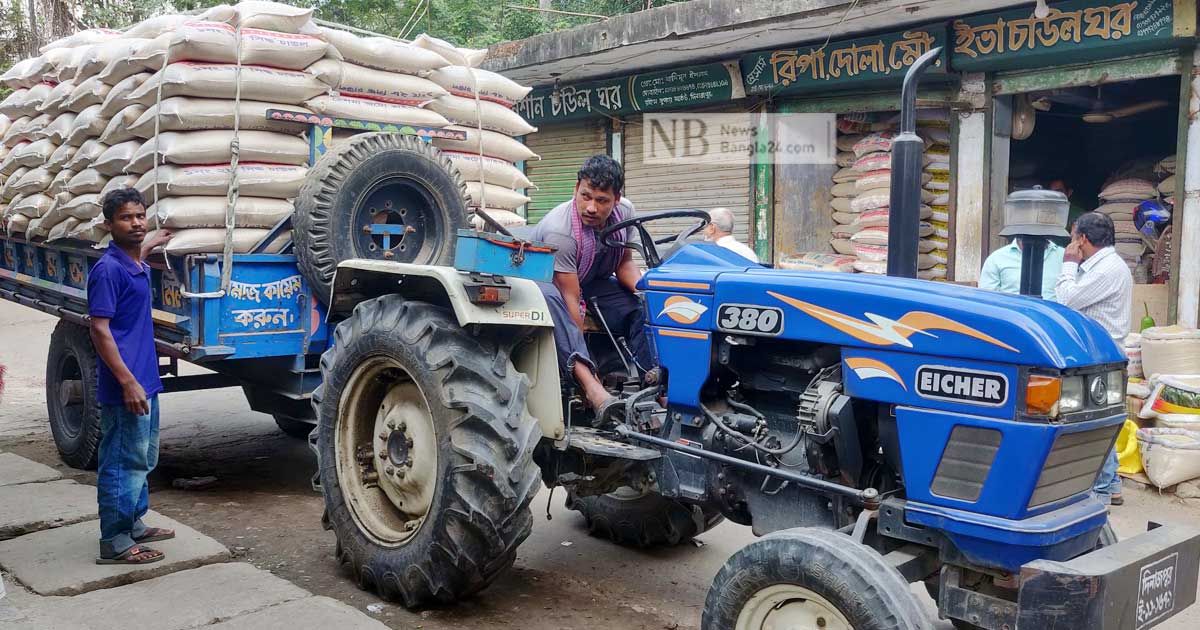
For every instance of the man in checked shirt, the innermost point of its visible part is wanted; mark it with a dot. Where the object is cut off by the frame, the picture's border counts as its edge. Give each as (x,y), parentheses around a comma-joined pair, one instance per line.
(1096,282)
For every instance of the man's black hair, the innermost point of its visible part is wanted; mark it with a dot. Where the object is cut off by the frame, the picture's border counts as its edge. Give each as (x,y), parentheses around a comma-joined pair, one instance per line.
(604,173)
(117,199)
(1097,227)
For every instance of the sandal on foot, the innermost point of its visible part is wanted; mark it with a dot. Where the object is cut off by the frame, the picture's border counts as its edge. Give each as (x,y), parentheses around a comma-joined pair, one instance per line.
(136,554)
(612,411)
(153,534)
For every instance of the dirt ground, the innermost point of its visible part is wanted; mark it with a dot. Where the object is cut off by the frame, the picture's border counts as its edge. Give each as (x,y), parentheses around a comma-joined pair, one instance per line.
(263,508)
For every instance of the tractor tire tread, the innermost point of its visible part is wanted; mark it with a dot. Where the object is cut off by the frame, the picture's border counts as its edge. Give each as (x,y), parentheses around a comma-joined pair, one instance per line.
(649,521)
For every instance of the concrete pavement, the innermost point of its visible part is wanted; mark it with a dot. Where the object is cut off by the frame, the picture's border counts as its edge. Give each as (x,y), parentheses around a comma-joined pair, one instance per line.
(51,579)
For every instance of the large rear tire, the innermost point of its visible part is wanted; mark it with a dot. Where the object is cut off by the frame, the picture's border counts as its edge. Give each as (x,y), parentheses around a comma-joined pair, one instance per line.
(370,184)
(426,452)
(71,395)
(642,519)
(810,578)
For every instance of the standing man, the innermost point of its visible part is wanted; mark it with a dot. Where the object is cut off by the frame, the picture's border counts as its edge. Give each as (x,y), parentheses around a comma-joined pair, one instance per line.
(720,231)
(587,271)
(1074,210)
(1096,282)
(122,331)
(1002,269)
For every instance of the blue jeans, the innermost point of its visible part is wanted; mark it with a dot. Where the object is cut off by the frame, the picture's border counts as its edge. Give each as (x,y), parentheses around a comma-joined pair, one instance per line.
(1108,482)
(128,452)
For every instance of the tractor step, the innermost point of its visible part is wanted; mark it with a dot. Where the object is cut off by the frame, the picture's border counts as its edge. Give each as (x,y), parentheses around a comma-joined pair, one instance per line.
(594,442)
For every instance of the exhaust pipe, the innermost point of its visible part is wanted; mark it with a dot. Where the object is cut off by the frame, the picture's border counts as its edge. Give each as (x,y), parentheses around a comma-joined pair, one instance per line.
(904,226)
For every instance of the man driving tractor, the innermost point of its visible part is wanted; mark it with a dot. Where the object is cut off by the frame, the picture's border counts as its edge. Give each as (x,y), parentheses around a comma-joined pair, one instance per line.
(587,272)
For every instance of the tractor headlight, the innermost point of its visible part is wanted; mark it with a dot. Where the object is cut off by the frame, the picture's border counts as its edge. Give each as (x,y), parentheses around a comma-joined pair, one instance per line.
(1116,387)
(1072,394)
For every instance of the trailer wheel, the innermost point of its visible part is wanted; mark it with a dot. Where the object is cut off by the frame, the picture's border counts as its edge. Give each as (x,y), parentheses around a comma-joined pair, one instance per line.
(292,427)
(379,196)
(71,395)
(810,578)
(642,519)
(426,452)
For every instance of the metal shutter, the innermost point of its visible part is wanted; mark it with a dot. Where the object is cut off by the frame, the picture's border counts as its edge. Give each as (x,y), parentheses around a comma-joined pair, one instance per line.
(657,187)
(563,149)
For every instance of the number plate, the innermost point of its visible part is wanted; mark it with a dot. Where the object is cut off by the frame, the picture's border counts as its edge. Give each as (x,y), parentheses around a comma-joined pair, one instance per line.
(749,319)
(1156,591)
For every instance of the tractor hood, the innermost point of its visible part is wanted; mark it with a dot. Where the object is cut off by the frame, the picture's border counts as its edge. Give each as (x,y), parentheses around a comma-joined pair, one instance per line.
(867,311)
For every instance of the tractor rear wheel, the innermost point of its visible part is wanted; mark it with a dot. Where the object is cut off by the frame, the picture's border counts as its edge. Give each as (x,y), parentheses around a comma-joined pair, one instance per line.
(810,578)
(71,395)
(378,196)
(425,452)
(642,519)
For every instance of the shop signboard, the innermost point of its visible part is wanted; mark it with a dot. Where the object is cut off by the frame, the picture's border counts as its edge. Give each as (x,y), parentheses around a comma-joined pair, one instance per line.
(1071,32)
(820,67)
(678,88)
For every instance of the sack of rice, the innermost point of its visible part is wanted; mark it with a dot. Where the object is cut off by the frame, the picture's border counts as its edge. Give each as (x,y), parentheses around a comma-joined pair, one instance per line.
(873,162)
(375,111)
(86,181)
(1129,189)
(17,224)
(82,38)
(456,56)
(941,229)
(846,141)
(33,154)
(493,171)
(495,145)
(155,26)
(1169,456)
(497,196)
(844,218)
(35,180)
(870,200)
(1166,165)
(32,206)
(213,147)
(120,128)
(96,58)
(272,16)
(381,53)
(882,179)
(209,212)
(60,231)
(936,272)
(845,159)
(181,113)
(118,182)
(114,159)
(507,218)
(88,124)
(817,261)
(492,116)
(212,240)
(939,181)
(843,246)
(845,175)
(463,81)
(218,80)
(48,64)
(9,191)
(362,82)
(9,165)
(873,143)
(1167,186)
(21,74)
(278,181)
(85,154)
(56,98)
(117,98)
(843,190)
(877,267)
(89,231)
(17,104)
(58,185)
(216,42)
(16,132)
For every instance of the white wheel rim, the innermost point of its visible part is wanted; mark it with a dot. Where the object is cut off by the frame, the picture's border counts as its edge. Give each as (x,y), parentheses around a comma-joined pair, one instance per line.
(387,456)
(790,607)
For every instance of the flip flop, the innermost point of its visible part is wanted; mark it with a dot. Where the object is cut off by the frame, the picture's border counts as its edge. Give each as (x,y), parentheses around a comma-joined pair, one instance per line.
(612,411)
(136,554)
(153,534)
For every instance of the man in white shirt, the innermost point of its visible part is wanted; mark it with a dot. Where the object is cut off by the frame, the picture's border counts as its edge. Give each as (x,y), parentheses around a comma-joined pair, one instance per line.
(720,231)
(1096,282)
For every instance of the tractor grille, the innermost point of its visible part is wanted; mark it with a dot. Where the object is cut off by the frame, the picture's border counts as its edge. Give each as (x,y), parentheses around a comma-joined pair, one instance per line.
(965,463)
(1072,465)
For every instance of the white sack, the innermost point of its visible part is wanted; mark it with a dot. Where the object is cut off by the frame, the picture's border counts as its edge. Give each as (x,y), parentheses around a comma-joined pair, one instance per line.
(199,212)
(86,154)
(17,104)
(495,171)
(22,74)
(33,154)
(35,180)
(114,159)
(86,181)
(362,82)
(58,129)
(58,185)
(216,42)
(88,124)
(212,240)
(375,111)
(120,128)
(82,38)
(32,206)
(181,113)
(206,80)
(90,92)
(272,16)
(458,56)
(119,182)
(458,80)
(118,97)
(493,116)
(497,196)
(254,180)
(212,147)
(8,191)
(64,228)
(381,53)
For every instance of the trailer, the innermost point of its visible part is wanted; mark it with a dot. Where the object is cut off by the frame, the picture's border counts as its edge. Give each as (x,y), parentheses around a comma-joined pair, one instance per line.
(262,327)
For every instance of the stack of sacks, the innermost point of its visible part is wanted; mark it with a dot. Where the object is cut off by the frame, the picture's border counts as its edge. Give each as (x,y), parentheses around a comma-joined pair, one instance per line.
(934,127)
(1120,199)
(872,205)
(1166,169)
(843,192)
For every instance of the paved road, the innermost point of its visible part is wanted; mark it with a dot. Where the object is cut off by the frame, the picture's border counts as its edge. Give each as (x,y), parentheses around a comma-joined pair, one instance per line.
(263,509)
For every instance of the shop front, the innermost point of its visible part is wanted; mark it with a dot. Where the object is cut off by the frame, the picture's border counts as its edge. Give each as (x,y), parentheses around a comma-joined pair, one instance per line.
(1091,100)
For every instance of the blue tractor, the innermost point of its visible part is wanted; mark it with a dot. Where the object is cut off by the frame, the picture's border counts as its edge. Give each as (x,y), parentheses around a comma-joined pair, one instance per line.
(875,431)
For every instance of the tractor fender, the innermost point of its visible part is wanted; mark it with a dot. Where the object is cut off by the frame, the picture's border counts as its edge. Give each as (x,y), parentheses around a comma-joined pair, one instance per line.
(358,280)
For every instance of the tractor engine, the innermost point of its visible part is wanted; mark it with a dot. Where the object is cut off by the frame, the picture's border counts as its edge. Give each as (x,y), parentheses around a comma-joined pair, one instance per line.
(782,404)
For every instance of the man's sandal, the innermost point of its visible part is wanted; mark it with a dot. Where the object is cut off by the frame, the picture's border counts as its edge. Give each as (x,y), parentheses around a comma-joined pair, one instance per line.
(136,554)
(153,534)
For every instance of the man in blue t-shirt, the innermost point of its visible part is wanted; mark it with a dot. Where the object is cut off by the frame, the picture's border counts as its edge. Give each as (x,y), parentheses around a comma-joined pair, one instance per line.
(127,382)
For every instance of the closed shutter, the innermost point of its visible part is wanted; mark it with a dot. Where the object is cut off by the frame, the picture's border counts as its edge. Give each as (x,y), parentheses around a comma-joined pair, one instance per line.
(656,187)
(563,149)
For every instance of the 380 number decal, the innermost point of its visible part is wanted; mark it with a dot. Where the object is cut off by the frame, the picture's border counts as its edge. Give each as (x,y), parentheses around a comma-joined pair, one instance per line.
(751,320)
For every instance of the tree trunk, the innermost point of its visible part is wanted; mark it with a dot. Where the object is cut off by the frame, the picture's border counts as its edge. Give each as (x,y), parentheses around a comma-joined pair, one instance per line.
(35,42)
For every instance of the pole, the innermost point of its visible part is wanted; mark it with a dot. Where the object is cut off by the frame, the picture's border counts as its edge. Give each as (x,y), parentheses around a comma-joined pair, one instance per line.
(1186,237)
(1033,258)
(904,225)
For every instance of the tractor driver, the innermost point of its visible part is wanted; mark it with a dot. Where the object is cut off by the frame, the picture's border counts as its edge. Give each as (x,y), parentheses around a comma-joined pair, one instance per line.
(587,271)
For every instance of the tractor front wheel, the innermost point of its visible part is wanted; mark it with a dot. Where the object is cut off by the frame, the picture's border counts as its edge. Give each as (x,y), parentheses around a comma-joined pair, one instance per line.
(810,578)
(425,452)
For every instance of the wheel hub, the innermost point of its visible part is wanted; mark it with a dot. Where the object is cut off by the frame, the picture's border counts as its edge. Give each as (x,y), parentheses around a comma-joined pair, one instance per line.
(787,606)
(394,218)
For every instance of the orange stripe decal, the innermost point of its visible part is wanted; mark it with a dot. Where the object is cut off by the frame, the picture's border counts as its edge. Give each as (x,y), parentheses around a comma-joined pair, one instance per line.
(685,334)
(672,284)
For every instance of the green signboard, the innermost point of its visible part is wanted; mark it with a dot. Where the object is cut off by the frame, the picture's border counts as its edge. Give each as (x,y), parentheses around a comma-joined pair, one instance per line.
(851,63)
(670,89)
(1071,32)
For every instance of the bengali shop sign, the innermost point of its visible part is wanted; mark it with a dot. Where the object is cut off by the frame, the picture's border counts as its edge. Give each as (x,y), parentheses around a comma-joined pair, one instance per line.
(1071,32)
(822,67)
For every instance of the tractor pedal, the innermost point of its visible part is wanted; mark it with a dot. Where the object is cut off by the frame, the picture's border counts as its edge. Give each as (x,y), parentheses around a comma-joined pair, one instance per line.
(593,442)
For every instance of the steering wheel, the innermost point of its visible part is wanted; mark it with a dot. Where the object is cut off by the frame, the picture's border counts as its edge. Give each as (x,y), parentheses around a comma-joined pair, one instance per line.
(647,245)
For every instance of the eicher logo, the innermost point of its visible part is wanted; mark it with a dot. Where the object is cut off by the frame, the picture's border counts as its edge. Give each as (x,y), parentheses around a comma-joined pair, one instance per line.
(973,387)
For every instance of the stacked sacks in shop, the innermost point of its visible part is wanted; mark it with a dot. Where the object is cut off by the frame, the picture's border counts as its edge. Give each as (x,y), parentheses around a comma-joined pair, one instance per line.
(872,205)
(934,127)
(843,192)
(1120,199)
